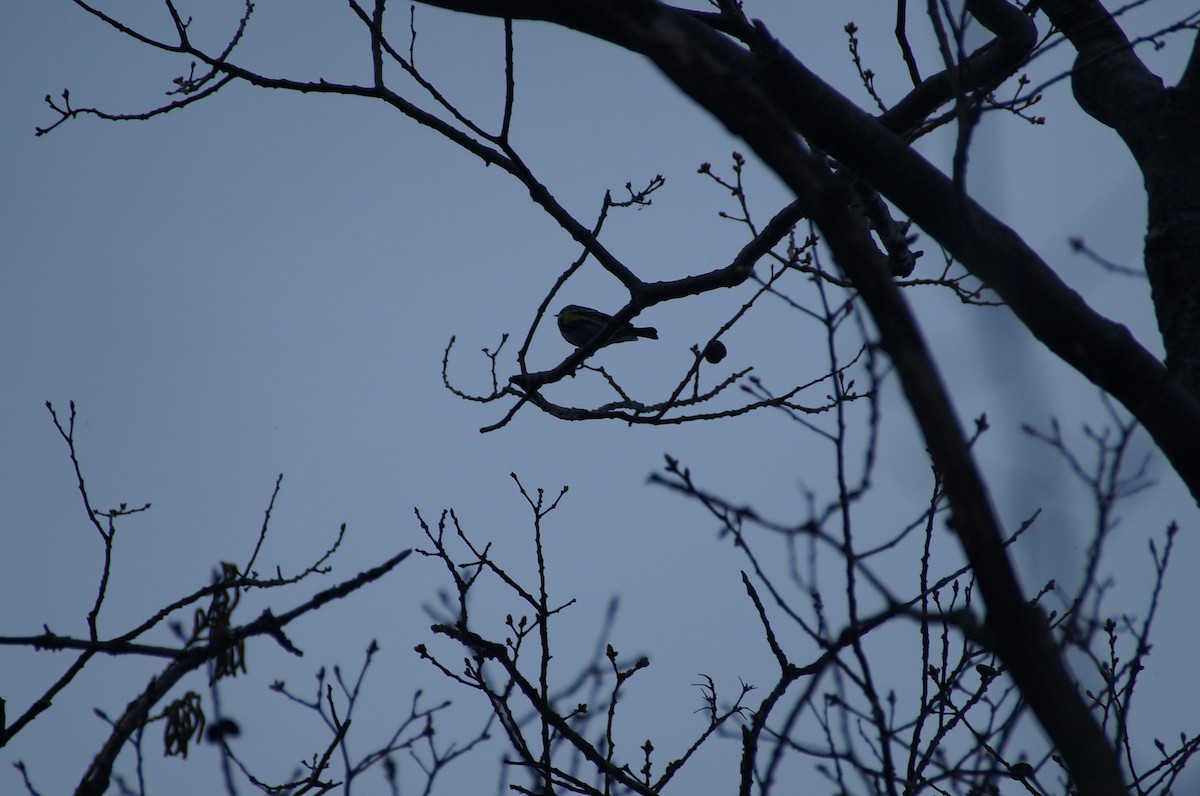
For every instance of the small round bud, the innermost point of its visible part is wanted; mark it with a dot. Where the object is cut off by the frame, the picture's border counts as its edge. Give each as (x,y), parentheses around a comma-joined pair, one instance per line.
(714,352)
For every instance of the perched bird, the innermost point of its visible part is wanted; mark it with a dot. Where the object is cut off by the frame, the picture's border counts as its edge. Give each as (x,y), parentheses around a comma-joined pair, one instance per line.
(579,325)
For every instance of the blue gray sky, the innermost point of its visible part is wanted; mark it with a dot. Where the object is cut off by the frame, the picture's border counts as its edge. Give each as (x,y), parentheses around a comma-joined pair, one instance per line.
(265,283)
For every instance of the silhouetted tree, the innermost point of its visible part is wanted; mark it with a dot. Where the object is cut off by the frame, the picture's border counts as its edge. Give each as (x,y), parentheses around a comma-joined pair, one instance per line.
(991,653)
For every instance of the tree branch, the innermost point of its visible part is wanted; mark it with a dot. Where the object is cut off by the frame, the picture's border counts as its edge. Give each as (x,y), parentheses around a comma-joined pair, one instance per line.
(766,94)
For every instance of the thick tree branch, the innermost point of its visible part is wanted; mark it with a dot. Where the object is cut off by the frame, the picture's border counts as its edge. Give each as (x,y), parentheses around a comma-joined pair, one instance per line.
(760,96)
(1110,82)
(1161,127)
(1189,82)
(983,70)
(1101,350)
(1018,628)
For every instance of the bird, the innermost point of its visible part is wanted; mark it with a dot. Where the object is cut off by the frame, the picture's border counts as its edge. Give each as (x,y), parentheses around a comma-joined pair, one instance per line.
(578,325)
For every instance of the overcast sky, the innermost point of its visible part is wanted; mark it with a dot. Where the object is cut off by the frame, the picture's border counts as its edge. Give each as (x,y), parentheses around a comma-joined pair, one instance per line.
(265,283)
